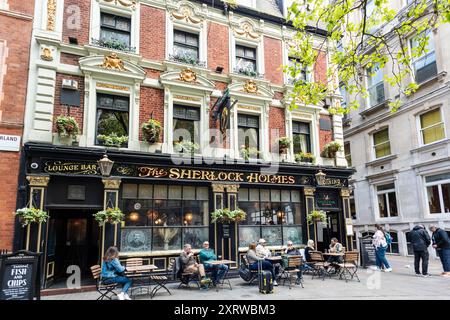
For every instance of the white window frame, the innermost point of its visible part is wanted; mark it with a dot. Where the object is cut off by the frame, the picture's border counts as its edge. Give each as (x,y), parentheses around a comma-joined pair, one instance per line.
(132,12)
(199,29)
(286,56)
(372,136)
(420,129)
(415,60)
(373,85)
(438,183)
(256,44)
(307,117)
(261,130)
(386,195)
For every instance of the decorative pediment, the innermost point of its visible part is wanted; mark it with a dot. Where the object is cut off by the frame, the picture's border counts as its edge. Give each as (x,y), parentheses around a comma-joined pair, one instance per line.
(246,28)
(251,89)
(185,11)
(124,3)
(112,66)
(187,78)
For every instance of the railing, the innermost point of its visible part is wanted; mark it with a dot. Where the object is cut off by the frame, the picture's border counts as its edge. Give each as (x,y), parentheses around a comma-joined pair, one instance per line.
(249,73)
(113,44)
(187,60)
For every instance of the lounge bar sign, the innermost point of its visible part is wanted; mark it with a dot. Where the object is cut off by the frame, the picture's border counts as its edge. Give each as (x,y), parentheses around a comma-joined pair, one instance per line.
(71,167)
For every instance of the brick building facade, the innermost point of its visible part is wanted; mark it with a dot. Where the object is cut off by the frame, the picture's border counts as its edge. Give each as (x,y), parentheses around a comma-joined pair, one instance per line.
(184,64)
(15,37)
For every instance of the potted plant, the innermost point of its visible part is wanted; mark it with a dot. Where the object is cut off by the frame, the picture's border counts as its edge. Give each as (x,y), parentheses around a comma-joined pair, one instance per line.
(304,157)
(31,215)
(330,149)
(151,131)
(316,216)
(227,216)
(284,143)
(67,127)
(112,140)
(186,147)
(249,152)
(110,215)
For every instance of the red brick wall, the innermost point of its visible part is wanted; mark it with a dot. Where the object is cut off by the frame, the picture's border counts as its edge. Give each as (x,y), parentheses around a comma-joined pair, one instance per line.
(153,33)
(325,136)
(59,109)
(273,60)
(218,49)
(71,59)
(151,73)
(276,122)
(320,68)
(17,34)
(152,100)
(70,29)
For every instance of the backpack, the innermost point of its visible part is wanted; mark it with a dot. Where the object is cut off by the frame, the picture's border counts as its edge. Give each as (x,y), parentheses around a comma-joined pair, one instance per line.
(388,238)
(245,273)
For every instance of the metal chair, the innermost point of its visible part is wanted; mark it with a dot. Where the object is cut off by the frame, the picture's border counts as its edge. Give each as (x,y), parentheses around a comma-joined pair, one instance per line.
(185,277)
(253,272)
(350,266)
(319,265)
(162,277)
(105,290)
(290,267)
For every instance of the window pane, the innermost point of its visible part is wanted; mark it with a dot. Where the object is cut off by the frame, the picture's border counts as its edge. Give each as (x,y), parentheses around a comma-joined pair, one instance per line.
(285,196)
(254,195)
(160,192)
(168,211)
(382,206)
(275,195)
(265,195)
(301,143)
(433,134)
(393,204)
(186,130)
(433,199)
(381,136)
(253,212)
(446,196)
(188,193)
(352,208)
(438,177)
(293,234)
(295,196)
(386,187)
(272,235)
(195,213)
(243,194)
(247,235)
(166,239)
(248,138)
(202,193)
(382,150)
(145,191)
(195,237)
(430,118)
(175,192)
(109,122)
(185,52)
(129,191)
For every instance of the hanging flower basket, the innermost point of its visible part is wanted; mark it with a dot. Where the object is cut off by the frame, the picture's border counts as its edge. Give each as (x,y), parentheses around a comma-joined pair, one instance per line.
(110,215)
(330,149)
(284,143)
(227,216)
(316,216)
(151,131)
(28,216)
(66,126)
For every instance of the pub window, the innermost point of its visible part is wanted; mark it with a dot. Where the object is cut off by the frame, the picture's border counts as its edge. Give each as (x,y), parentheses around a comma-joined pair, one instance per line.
(381,143)
(115,28)
(186,127)
(424,66)
(185,45)
(431,126)
(301,134)
(375,85)
(393,247)
(164,217)
(275,215)
(438,193)
(248,133)
(387,200)
(112,116)
(245,59)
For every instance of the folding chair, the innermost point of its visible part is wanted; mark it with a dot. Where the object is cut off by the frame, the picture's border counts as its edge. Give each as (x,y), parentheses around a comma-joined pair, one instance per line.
(104,289)
(253,272)
(162,277)
(291,267)
(319,265)
(186,277)
(350,266)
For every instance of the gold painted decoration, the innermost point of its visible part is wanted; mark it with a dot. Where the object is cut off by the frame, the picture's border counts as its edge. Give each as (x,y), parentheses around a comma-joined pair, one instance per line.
(125,3)
(113,62)
(112,86)
(51,15)
(246,30)
(188,75)
(111,184)
(47,54)
(250,86)
(345,192)
(186,13)
(38,181)
(309,191)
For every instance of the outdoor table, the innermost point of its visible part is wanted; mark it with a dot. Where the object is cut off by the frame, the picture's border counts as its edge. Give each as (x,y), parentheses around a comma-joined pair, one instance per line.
(143,271)
(335,266)
(225,276)
(275,260)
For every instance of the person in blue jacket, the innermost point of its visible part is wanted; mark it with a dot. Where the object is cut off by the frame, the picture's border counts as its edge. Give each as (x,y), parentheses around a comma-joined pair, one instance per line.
(112,272)
(218,271)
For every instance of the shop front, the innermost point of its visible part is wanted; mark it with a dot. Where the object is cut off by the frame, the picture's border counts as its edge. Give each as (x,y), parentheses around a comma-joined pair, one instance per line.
(168,203)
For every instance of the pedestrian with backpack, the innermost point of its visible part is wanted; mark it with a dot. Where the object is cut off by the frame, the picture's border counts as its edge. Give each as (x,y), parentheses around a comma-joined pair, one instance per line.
(441,242)
(420,241)
(381,241)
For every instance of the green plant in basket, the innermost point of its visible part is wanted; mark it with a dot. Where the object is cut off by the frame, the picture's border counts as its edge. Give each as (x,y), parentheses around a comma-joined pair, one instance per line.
(109,215)
(226,215)
(112,140)
(31,215)
(316,216)
(151,130)
(66,126)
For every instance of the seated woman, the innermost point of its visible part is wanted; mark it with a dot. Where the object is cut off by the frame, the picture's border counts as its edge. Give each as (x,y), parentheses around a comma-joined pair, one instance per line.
(112,272)
(254,260)
(309,247)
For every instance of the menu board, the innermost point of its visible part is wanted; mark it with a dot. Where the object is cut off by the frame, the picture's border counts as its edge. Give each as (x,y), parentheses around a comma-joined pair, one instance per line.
(368,257)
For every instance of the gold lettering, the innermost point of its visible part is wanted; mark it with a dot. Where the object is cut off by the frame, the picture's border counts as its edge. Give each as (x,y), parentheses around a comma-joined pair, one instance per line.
(222,176)
(174,173)
(197,174)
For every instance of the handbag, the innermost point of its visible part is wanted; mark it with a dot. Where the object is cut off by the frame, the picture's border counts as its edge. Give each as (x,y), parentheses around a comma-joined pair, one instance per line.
(244,273)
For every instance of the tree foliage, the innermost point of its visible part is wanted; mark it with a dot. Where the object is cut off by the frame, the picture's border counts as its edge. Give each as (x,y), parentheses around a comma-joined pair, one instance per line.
(360,35)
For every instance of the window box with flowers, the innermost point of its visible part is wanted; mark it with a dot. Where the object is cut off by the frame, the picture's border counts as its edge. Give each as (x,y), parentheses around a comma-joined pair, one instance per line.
(186,147)
(249,153)
(284,143)
(112,140)
(330,149)
(28,216)
(110,215)
(305,157)
(67,128)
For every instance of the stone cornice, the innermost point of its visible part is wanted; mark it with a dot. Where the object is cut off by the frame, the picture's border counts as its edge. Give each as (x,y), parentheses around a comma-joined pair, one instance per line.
(16,15)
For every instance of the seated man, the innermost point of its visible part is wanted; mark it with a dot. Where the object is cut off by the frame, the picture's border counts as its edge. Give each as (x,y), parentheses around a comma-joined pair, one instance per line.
(190,265)
(254,260)
(261,250)
(335,247)
(218,271)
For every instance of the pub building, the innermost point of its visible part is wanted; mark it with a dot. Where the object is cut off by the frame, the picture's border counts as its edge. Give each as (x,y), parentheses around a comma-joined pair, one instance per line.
(168,189)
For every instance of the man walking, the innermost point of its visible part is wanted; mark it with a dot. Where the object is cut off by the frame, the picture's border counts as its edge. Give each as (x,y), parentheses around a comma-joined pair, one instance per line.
(420,241)
(441,242)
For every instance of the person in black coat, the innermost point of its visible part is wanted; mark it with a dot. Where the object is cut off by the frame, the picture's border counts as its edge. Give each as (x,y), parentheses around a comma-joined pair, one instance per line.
(441,242)
(420,241)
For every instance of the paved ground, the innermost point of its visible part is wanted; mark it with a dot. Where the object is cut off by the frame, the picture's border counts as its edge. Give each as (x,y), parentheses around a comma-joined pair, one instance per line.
(400,284)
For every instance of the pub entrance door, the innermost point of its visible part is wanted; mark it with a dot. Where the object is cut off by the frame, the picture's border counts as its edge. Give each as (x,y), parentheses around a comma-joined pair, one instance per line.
(73,240)
(332,230)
